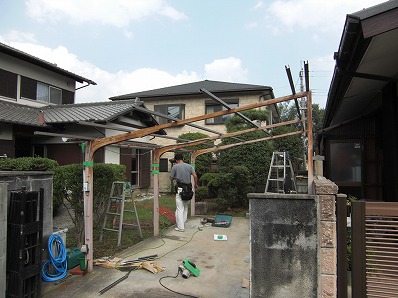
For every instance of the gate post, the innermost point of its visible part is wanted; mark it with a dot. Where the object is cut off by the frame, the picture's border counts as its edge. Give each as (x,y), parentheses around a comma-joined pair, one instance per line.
(341,245)
(358,238)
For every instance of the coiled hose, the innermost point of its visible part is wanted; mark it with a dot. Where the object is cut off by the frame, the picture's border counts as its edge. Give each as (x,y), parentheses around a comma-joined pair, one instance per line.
(58,262)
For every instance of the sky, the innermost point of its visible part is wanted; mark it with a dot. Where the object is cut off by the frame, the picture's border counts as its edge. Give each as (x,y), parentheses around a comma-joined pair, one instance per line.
(128,46)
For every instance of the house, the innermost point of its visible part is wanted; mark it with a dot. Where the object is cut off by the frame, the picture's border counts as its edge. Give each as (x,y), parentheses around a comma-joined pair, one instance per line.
(359,138)
(187,101)
(39,117)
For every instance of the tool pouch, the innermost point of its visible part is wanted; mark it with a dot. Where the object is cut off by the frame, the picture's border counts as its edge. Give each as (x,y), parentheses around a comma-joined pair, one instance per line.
(186,193)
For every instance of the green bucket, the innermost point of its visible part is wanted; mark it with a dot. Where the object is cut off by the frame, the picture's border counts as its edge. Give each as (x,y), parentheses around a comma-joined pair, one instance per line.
(82,263)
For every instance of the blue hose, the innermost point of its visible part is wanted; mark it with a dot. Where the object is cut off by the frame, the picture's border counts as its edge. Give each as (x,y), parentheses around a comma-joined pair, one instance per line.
(59,262)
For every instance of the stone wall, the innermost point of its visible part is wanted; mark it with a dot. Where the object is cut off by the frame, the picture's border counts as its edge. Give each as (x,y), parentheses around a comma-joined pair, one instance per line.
(293,243)
(327,190)
(284,245)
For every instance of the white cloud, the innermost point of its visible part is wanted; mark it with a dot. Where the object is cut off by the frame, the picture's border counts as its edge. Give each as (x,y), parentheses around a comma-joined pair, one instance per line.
(251,25)
(108,84)
(112,84)
(228,69)
(259,5)
(323,16)
(15,35)
(118,13)
(128,34)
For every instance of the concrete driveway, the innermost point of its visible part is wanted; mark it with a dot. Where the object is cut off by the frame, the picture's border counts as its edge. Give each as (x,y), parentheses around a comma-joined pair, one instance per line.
(224,266)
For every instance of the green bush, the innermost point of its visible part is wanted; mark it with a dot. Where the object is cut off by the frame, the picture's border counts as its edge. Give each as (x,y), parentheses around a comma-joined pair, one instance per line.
(68,187)
(30,164)
(213,187)
(27,164)
(200,193)
(234,187)
(206,178)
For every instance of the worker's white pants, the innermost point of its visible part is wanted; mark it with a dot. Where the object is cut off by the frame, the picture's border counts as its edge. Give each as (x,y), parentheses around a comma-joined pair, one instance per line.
(181,210)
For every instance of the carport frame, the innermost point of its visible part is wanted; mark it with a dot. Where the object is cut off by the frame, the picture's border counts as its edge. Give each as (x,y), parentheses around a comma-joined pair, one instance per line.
(92,146)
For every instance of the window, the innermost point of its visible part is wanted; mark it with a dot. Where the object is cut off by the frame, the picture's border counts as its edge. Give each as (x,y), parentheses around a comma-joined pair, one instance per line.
(8,84)
(172,110)
(35,90)
(346,162)
(212,107)
(48,93)
(164,165)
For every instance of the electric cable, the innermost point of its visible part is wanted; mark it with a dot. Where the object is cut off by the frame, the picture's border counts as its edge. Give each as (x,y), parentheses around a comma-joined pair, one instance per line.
(180,245)
(59,262)
(161,246)
(169,276)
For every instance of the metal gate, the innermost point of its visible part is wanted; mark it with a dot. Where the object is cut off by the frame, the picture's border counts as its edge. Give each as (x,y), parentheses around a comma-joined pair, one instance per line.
(374,250)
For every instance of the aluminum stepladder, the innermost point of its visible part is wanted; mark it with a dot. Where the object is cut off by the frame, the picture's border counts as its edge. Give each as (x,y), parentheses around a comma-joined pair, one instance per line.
(281,174)
(115,207)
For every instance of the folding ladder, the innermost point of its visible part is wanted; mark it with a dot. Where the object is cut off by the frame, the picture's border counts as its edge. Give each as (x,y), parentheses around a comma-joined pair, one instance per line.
(281,177)
(116,207)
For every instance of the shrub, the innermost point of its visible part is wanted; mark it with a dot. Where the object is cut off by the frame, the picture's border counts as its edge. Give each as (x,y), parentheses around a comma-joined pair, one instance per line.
(206,178)
(30,164)
(201,193)
(213,187)
(68,187)
(234,186)
(27,164)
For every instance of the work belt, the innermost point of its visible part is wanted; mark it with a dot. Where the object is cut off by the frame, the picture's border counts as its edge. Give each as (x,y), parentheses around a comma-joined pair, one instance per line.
(183,185)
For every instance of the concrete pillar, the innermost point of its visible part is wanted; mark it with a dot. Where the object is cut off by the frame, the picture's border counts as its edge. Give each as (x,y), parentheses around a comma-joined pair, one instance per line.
(318,165)
(284,245)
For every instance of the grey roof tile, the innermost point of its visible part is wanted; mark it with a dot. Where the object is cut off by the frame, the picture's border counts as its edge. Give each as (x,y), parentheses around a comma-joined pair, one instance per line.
(18,114)
(11,112)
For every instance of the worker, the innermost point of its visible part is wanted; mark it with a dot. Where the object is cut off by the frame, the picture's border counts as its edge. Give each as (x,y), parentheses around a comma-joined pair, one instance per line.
(181,176)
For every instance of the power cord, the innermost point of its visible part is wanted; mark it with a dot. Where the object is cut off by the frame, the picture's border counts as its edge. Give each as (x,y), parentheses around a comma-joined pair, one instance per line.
(169,276)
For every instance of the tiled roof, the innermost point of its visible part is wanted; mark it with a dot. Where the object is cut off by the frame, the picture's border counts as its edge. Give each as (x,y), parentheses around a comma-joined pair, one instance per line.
(194,88)
(14,113)
(18,114)
(42,63)
(104,112)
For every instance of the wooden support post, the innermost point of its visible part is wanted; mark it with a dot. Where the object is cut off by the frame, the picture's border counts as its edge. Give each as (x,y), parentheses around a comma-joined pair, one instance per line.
(88,204)
(311,190)
(155,204)
(193,200)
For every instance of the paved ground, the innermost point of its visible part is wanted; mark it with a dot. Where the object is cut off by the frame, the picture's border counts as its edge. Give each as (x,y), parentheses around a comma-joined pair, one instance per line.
(224,266)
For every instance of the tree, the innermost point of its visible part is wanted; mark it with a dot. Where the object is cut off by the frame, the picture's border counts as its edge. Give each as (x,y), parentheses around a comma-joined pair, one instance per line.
(291,144)
(203,162)
(255,157)
(288,112)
